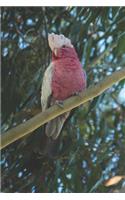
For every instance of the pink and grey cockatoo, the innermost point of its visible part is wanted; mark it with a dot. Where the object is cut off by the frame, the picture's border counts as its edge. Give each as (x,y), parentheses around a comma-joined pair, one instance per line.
(62,79)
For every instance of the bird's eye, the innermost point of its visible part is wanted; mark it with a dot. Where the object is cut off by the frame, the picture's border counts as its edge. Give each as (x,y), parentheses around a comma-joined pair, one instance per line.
(64,46)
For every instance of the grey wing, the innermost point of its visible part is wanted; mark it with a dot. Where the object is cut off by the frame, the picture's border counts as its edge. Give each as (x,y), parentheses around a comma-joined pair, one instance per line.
(46,89)
(53,127)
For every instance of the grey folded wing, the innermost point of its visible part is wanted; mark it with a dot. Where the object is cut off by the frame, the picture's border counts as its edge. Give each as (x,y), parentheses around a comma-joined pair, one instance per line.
(46,90)
(53,127)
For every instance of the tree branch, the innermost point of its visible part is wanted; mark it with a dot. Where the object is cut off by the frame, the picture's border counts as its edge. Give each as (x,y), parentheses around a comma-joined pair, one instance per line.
(40,119)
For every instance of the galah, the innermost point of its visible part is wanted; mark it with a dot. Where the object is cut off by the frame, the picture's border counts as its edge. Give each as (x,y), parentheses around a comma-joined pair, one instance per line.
(63,78)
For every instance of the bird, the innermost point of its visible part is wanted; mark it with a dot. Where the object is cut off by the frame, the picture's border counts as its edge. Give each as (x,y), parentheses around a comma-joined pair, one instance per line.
(63,78)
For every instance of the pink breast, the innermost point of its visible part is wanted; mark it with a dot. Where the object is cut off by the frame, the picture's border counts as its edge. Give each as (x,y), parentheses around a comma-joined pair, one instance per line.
(68,78)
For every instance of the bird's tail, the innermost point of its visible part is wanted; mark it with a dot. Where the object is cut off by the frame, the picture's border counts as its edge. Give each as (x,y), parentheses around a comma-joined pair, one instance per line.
(54,127)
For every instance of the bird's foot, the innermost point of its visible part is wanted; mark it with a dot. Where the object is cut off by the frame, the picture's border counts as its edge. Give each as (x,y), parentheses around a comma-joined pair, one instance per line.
(59,103)
(77,94)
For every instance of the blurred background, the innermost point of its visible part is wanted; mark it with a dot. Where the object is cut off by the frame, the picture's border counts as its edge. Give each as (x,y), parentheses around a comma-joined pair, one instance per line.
(91,148)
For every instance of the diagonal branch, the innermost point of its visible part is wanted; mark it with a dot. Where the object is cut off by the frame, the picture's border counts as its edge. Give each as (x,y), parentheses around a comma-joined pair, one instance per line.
(40,119)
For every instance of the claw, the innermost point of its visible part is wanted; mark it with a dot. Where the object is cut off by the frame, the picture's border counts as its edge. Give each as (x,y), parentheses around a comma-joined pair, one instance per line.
(77,94)
(59,103)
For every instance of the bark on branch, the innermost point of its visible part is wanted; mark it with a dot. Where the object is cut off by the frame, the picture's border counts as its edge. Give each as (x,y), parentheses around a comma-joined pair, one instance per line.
(40,119)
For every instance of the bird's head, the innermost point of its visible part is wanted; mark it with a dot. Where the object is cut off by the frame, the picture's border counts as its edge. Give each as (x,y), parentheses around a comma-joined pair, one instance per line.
(58,41)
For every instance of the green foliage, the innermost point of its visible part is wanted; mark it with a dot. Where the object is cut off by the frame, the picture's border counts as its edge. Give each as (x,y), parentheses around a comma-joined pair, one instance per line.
(92,145)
